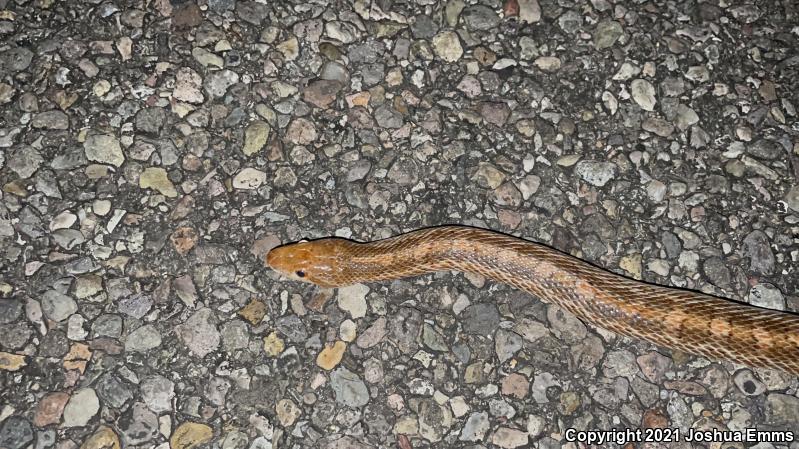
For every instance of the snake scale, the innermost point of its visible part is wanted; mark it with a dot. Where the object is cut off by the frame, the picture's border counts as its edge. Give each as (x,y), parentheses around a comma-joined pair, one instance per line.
(689,321)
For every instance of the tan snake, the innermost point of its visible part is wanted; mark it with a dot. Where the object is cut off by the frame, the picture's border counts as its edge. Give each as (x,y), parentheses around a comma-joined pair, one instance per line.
(690,321)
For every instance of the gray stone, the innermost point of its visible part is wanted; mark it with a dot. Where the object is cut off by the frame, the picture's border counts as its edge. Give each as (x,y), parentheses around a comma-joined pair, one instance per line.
(217,83)
(143,339)
(480,319)
(107,325)
(138,425)
(496,113)
(686,117)
(717,272)
(596,173)
(507,344)
(387,117)
(293,328)
(24,161)
(15,60)
(68,238)
(475,428)
(404,329)
(151,120)
(58,306)
(135,305)
(757,248)
(480,18)
(157,392)
(658,126)
(765,149)
(252,12)
(14,335)
(424,27)
(53,119)
(235,335)
(607,33)
(434,419)
(433,339)
(350,390)
(620,363)
(112,391)
(199,333)
(792,199)
(10,310)
(782,410)
(81,408)
(643,92)
(103,148)
(15,433)
(766,295)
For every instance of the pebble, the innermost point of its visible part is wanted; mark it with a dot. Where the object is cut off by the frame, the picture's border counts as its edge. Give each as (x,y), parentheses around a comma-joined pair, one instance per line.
(548,63)
(301,132)
(143,339)
(643,93)
(188,85)
(515,385)
(475,428)
(156,178)
(447,46)
(781,409)
(607,33)
(189,435)
(104,148)
(331,355)
(51,120)
(480,319)
(255,137)
(348,387)
(199,333)
(157,392)
(766,295)
(322,93)
(352,299)
(761,258)
(83,405)
(496,113)
(112,391)
(373,335)
(216,84)
(249,179)
(274,345)
(748,384)
(50,408)
(792,199)
(103,438)
(596,173)
(15,433)
(58,306)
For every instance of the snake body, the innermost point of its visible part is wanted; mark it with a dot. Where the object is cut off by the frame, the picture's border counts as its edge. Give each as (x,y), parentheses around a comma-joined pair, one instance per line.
(689,321)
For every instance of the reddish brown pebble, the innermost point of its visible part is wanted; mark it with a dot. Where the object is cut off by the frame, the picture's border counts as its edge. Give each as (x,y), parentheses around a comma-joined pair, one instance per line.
(511,8)
(515,385)
(50,409)
(653,419)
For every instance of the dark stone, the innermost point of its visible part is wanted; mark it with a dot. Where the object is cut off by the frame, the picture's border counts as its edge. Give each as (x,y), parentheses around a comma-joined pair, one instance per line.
(16,433)
(480,319)
(151,120)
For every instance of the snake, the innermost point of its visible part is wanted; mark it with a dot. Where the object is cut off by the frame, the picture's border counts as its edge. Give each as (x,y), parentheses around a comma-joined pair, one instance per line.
(690,321)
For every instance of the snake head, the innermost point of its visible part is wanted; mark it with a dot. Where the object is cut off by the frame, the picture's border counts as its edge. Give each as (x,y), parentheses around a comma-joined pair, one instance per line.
(314,261)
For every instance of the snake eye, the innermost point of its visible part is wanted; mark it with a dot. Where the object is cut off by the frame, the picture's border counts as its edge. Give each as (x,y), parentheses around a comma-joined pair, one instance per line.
(300,273)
